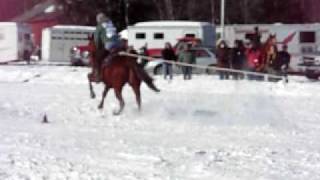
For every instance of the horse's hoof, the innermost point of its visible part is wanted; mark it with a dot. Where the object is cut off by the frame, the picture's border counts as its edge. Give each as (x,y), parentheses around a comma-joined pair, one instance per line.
(93,96)
(100,107)
(115,113)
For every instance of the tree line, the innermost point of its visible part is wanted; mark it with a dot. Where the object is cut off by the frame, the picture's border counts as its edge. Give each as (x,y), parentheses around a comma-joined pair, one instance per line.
(127,12)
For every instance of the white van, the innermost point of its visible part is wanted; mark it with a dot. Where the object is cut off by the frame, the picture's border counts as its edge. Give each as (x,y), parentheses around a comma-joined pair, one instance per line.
(157,33)
(57,41)
(11,40)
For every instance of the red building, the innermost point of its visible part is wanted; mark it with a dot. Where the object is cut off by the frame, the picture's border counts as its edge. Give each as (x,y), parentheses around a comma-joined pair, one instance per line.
(10,9)
(41,16)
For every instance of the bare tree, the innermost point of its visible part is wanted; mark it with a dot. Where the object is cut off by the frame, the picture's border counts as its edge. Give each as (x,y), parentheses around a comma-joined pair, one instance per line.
(159,6)
(213,15)
(169,9)
(165,9)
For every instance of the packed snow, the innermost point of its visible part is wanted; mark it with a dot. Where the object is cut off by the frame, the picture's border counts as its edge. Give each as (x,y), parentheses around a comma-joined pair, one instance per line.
(202,129)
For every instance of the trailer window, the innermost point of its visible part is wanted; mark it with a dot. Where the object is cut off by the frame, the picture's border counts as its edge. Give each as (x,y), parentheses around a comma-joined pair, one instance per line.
(56,38)
(190,35)
(1,37)
(158,36)
(307,37)
(140,35)
(249,36)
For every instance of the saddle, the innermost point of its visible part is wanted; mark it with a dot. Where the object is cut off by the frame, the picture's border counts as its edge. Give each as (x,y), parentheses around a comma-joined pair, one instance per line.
(109,59)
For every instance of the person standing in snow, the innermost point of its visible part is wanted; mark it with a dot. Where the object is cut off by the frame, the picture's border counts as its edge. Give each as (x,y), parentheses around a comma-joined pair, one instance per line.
(223,57)
(28,48)
(168,54)
(256,38)
(144,52)
(282,62)
(238,57)
(187,56)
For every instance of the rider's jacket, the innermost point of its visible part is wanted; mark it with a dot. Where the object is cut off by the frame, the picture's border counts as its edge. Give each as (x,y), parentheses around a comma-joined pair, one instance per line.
(106,36)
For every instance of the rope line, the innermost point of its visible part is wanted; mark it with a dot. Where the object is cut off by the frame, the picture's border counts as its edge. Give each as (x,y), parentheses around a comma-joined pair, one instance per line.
(203,67)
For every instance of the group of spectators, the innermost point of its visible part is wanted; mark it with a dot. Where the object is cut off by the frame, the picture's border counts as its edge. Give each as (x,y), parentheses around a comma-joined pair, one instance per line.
(247,56)
(183,55)
(242,56)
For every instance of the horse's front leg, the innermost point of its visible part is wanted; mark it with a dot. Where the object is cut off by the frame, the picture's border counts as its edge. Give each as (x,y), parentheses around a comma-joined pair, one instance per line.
(104,94)
(92,94)
(118,92)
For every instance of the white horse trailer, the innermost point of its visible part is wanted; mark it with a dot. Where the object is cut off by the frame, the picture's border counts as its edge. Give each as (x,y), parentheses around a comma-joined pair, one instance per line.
(57,41)
(11,40)
(300,38)
(157,33)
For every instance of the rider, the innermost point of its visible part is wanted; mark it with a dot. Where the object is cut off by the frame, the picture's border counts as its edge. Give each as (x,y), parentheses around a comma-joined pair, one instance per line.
(283,60)
(256,38)
(106,41)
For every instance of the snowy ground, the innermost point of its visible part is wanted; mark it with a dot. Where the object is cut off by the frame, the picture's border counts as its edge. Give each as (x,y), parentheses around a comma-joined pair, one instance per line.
(203,129)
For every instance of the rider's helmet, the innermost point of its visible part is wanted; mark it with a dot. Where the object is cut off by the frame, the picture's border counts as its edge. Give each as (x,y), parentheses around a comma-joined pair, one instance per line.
(101,17)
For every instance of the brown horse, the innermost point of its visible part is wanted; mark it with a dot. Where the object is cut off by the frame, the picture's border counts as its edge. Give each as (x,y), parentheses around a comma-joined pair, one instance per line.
(118,72)
(269,53)
(260,59)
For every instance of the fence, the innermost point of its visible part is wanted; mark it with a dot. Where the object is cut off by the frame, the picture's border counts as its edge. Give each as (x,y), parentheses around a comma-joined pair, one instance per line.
(245,73)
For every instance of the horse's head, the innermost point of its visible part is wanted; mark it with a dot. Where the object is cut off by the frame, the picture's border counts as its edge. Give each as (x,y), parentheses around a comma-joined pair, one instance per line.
(270,49)
(272,40)
(270,43)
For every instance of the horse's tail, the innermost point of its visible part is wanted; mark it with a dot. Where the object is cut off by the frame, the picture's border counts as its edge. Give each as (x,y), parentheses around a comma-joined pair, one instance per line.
(144,76)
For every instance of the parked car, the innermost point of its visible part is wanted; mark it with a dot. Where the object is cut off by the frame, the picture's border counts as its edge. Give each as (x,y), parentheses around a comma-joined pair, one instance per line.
(204,57)
(156,52)
(80,56)
(311,63)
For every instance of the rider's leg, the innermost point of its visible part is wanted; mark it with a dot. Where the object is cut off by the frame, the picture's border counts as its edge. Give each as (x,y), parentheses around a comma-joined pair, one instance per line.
(99,58)
(108,58)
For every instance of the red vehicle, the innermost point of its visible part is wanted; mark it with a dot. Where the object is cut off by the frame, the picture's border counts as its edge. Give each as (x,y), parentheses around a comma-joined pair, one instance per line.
(80,56)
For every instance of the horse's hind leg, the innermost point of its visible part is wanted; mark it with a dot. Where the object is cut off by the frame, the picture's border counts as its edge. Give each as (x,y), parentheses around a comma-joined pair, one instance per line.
(136,90)
(118,92)
(104,94)
(92,94)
